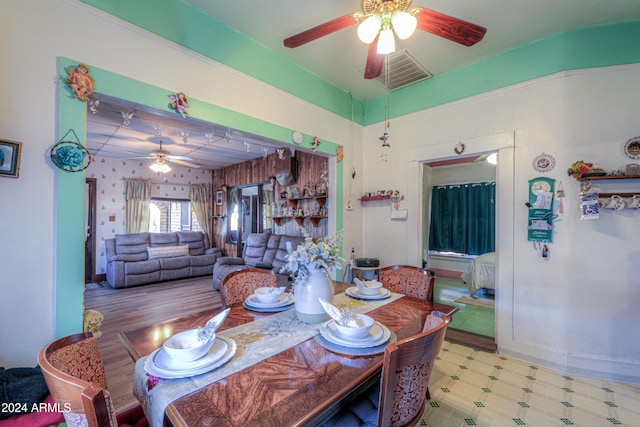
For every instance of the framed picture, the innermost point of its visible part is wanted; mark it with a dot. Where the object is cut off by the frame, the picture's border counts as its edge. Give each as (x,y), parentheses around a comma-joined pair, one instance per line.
(219,198)
(10,152)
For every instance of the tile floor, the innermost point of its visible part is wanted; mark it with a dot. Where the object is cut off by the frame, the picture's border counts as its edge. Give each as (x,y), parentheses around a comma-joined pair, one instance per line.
(470,387)
(470,318)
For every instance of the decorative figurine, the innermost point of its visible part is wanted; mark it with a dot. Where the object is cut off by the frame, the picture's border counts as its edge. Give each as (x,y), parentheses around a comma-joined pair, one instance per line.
(385,140)
(315,142)
(179,103)
(81,82)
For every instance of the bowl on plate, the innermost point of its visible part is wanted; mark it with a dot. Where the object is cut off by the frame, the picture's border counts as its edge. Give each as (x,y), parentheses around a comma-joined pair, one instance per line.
(357,326)
(369,287)
(267,295)
(187,346)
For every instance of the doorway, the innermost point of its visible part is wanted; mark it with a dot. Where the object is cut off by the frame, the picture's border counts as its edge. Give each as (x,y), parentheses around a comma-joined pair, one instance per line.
(461,182)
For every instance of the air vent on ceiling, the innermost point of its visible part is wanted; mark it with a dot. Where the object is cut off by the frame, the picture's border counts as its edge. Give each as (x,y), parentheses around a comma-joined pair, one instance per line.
(403,71)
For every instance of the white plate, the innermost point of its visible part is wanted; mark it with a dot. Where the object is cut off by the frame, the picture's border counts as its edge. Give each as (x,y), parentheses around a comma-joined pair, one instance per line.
(379,334)
(355,293)
(151,367)
(285,299)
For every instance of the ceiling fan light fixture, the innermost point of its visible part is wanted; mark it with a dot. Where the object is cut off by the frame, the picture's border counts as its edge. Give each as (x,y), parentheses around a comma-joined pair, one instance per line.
(159,166)
(368,29)
(386,42)
(404,24)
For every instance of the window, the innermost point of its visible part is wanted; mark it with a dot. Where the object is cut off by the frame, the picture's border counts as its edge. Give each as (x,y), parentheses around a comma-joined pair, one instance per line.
(172,215)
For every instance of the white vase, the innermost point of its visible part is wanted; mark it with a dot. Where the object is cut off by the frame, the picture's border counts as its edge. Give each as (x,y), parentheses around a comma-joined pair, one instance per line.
(316,285)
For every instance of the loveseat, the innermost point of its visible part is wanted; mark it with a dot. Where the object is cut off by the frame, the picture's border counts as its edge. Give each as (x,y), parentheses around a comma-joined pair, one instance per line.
(141,258)
(261,250)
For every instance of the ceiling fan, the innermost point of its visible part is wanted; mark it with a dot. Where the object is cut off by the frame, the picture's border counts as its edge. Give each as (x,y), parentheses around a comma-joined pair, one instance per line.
(376,22)
(162,156)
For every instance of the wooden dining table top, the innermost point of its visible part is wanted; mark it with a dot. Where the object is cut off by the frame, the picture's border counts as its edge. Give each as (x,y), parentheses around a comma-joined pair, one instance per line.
(302,385)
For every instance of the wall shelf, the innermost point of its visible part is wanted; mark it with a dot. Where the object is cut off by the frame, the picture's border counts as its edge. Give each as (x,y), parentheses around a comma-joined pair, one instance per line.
(315,219)
(612,178)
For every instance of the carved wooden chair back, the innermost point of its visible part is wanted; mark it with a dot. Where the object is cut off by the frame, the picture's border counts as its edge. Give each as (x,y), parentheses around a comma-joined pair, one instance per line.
(406,372)
(236,286)
(408,280)
(73,369)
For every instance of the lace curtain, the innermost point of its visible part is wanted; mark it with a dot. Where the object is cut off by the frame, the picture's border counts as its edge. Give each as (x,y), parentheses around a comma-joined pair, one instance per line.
(200,196)
(138,196)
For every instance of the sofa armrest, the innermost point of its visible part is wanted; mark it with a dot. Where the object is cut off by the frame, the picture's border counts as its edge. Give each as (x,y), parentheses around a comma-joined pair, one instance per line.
(211,251)
(230,260)
(265,265)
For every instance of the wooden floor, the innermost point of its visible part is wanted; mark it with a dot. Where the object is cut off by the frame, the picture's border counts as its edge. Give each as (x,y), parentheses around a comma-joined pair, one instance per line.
(142,305)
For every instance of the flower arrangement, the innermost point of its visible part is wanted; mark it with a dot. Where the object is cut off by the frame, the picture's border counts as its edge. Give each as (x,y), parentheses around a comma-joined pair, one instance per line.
(579,168)
(323,253)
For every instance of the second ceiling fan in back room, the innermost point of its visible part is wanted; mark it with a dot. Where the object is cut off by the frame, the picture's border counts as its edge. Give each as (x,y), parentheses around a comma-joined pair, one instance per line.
(380,19)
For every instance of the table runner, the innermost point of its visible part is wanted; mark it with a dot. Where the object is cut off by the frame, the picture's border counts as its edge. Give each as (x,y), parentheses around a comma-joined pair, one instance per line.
(256,341)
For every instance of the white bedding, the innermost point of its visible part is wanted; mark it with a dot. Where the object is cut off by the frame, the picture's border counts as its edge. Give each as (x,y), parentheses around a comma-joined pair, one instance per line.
(481,273)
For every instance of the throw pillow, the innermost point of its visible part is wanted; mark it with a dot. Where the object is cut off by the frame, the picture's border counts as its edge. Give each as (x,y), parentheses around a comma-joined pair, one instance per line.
(168,251)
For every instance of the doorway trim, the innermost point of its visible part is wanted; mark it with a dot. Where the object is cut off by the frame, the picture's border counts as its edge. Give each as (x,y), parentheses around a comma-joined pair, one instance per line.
(70,187)
(504,144)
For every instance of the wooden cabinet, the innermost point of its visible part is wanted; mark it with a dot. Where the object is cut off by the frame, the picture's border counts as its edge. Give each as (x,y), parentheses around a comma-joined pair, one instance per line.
(302,208)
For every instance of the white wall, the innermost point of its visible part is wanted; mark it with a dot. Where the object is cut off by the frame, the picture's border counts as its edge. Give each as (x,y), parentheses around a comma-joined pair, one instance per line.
(577,310)
(35,33)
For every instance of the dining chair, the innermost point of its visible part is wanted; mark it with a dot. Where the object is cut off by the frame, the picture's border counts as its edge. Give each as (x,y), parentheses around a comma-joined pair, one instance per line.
(400,397)
(236,286)
(408,280)
(73,370)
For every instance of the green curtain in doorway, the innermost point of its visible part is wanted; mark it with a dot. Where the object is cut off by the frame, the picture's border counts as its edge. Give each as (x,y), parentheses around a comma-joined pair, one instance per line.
(463,218)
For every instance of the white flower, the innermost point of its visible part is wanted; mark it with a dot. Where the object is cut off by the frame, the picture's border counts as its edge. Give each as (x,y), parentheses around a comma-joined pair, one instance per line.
(310,255)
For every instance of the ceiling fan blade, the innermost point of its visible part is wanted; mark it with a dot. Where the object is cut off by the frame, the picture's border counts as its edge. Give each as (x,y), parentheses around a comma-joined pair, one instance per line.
(450,28)
(320,31)
(375,62)
(184,163)
(189,159)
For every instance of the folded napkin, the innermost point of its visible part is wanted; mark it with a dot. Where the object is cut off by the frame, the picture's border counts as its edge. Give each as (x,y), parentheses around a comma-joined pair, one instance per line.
(342,317)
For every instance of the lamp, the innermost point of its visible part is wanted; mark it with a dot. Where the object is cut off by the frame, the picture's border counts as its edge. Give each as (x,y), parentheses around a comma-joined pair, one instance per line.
(368,29)
(159,166)
(386,20)
(404,24)
(386,42)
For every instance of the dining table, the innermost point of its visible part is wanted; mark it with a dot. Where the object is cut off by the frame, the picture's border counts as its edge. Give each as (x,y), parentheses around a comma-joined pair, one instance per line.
(281,371)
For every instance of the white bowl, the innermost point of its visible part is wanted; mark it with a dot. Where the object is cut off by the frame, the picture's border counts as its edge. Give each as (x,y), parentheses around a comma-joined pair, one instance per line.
(372,287)
(186,346)
(268,295)
(358,327)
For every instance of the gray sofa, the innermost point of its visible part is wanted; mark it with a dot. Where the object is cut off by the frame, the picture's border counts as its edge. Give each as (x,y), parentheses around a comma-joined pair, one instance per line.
(262,250)
(141,258)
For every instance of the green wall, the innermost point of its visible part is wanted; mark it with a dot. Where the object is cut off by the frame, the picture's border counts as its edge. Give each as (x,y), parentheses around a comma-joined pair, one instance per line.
(583,48)
(72,114)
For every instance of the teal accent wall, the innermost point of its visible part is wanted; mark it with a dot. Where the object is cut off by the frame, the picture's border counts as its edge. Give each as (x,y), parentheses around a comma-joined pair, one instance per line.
(70,233)
(188,27)
(583,48)
(72,114)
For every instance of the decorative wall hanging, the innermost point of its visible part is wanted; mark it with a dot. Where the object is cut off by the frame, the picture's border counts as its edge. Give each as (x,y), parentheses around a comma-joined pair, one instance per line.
(126,118)
(70,156)
(541,216)
(296,137)
(459,148)
(339,153)
(93,106)
(385,140)
(315,142)
(632,148)
(179,103)
(10,152)
(544,162)
(80,82)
